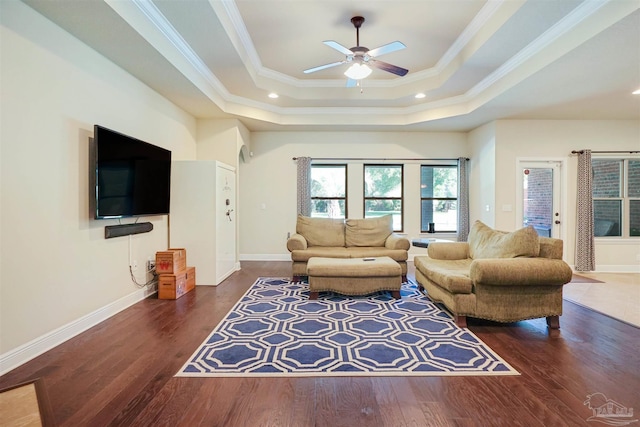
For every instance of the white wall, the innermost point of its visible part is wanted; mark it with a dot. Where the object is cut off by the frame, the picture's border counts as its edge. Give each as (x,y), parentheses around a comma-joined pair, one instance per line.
(269,180)
(58,273)
(555,139)
(482,174)
(227,141)
(220,140)
(57,270)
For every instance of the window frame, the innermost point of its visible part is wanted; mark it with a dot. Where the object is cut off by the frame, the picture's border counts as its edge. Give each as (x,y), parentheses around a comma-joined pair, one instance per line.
(401,198)
(346,185)
(456,199)
(623,197)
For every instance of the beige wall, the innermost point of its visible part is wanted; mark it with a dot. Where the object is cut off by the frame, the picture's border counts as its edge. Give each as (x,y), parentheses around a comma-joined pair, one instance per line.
(58,272)
(268,183)
(482,174)
(56,266)
(555,139)
(227,141)
(221,140)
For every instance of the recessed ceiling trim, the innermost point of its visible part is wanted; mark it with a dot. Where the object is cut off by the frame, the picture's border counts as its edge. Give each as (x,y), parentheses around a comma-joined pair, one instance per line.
(568,33)
(479,22)
(145,18)
(574,21)
(229,15)
(231,20)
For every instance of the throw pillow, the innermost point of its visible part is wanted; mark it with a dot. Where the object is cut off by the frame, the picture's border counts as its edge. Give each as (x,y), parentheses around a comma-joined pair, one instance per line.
(368,231)
(321,231)
(485,242)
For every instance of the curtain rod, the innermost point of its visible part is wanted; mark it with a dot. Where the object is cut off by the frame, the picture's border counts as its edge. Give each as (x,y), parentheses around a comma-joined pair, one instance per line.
(376,159)
(607,152)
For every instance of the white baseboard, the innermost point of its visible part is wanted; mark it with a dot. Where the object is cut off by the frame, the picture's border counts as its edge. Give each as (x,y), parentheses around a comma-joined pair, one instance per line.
(612,269)
(235,268)
(21,355)
(265,257)
(617,269)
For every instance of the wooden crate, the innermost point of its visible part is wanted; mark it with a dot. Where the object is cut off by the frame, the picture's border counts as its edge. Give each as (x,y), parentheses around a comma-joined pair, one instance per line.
(191,279)
(171,261)
(173,286)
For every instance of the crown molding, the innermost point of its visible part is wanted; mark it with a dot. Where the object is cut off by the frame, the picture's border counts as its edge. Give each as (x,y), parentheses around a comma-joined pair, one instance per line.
(151,24)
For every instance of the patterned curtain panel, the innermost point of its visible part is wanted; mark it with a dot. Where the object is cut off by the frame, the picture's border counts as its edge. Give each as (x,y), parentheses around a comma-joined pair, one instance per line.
(304,186)
(463,200)
(585,254)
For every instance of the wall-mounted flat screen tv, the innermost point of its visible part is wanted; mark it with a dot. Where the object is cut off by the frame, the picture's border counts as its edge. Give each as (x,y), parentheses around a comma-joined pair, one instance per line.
(132,177)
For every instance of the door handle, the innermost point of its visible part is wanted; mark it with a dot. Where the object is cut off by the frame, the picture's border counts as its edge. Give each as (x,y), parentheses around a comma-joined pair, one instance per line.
(557,222)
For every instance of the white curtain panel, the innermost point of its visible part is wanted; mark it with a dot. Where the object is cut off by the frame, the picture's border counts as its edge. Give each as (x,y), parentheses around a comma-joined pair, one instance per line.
(304,186)
(463,200)
(585,254)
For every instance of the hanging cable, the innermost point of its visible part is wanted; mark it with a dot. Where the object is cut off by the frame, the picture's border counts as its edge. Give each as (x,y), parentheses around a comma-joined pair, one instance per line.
(152,281)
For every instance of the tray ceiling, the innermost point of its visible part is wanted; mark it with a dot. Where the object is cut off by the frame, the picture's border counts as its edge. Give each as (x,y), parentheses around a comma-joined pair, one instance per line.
(474,60)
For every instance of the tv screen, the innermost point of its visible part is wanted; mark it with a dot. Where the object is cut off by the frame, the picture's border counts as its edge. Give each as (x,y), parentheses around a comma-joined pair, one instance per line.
(133,177)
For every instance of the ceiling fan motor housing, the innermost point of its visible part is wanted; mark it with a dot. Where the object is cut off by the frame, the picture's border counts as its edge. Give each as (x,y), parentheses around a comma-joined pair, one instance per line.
(357,21)
(360,54)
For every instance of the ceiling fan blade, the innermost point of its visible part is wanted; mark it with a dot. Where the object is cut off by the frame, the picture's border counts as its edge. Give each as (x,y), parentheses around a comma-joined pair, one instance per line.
(394,69)
(387,48)
(322,67)
(337,46)
(352,83)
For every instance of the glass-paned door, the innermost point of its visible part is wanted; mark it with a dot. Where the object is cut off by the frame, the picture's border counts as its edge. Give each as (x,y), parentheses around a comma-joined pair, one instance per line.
(539,195)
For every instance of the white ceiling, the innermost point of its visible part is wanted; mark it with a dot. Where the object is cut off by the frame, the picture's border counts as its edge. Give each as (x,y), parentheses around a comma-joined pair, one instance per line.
(475,60)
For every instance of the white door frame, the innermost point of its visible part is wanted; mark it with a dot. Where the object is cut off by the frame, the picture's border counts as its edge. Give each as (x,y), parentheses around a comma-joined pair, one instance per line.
(559,192)
(226,258)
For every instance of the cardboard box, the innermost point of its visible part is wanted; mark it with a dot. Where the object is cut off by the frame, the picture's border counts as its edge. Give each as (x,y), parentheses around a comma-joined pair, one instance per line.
(171,261)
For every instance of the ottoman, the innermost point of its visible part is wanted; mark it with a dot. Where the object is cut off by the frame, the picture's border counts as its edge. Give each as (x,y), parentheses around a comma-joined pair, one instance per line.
(354,276)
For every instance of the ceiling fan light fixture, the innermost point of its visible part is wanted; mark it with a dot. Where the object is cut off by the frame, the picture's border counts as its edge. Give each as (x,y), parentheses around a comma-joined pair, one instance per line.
(358,71)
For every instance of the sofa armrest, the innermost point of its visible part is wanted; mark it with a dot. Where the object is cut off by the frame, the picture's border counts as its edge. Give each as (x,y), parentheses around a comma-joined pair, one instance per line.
(396,241)
(296,242)
(519,271)
(448,250)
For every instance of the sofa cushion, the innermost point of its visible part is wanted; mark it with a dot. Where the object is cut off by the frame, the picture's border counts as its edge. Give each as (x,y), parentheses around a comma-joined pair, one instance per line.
(368,231)
(452,275)
(520,272)
(551,248)
(339,267)
(321,231)
(320,251)
(485,242)
(367,252)
(396,241)
(296,243)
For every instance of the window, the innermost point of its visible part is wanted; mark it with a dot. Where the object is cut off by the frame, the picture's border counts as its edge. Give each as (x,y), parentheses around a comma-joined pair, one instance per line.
(616,197)
(438,198)
(329,191)
(383,192)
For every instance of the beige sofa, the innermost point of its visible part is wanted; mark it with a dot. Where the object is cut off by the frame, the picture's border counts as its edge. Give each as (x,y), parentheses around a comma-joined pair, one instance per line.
(495,275)
(351,238)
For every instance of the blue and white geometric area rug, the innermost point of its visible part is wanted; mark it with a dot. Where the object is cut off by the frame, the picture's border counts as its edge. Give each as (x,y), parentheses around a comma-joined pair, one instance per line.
(275,330)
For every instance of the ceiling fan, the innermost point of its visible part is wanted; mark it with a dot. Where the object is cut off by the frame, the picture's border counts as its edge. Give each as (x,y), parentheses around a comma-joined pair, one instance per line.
(361,57)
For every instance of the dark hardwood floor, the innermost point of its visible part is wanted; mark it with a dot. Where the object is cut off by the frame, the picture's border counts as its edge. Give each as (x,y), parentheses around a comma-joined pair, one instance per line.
(121,373)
